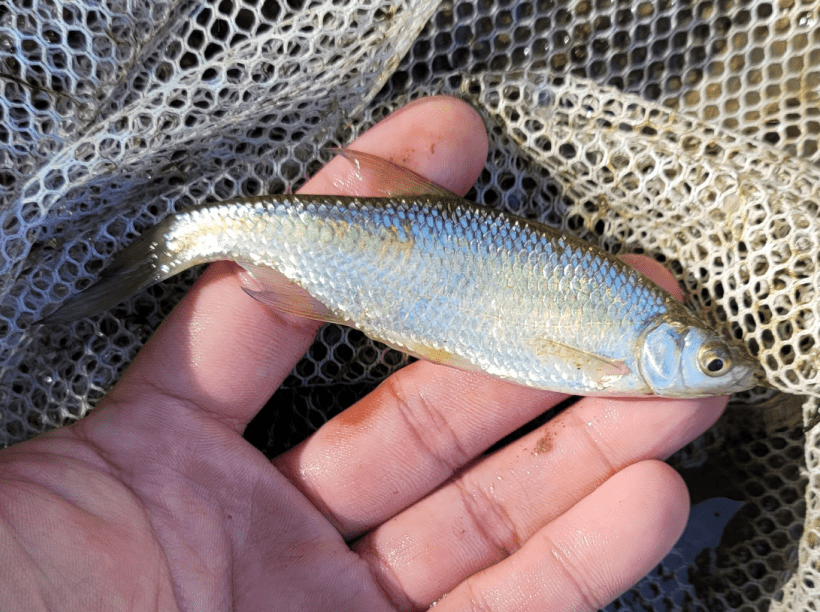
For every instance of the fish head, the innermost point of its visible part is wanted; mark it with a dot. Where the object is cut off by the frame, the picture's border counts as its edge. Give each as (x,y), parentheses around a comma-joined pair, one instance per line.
(679,359)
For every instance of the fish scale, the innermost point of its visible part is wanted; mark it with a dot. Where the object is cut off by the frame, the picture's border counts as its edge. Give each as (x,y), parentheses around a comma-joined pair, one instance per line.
(446,280)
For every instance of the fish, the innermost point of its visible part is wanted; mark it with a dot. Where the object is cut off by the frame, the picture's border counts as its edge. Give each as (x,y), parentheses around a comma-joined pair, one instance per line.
(429,273)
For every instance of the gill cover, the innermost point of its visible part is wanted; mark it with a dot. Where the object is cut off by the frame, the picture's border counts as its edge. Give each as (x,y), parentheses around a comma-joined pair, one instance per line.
(681,360)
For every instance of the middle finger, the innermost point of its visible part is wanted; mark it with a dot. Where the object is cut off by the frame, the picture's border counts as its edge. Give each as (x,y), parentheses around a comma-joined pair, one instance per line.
(489,510)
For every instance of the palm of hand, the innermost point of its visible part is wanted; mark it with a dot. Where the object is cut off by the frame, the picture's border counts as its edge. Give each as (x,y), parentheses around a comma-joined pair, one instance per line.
(146,523)
(156,502)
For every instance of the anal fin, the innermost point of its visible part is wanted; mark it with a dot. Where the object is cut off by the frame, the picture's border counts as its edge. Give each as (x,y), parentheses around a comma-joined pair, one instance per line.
(279,292)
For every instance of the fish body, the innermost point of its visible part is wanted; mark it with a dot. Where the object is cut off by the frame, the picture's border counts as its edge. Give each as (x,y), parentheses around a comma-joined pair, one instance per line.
(450,281)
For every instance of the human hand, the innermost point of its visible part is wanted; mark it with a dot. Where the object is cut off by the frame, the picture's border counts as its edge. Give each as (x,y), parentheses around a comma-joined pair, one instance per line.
(154,501)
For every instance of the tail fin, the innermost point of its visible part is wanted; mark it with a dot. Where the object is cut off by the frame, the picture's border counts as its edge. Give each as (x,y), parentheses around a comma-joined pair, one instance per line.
(140,264)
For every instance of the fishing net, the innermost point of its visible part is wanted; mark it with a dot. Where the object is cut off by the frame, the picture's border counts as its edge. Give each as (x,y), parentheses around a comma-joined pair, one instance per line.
(684,130)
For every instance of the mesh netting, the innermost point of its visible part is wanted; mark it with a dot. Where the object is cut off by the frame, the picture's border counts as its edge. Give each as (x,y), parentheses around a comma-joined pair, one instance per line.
(685,130)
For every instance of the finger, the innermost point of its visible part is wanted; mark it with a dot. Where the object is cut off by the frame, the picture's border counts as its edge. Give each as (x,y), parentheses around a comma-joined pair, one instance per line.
(654,271)
(485,513)
(404,439)
(591,554)
(225,353)
(427,421)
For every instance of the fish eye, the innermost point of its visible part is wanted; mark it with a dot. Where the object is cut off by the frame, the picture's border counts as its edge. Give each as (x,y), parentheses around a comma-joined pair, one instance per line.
(714,359)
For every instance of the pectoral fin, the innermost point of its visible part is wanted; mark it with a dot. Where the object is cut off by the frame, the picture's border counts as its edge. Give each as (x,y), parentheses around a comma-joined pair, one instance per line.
(278,291)
(381,178)
(601,369)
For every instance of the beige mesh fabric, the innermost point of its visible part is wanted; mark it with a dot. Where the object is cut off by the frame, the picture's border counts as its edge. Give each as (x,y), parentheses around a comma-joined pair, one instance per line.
(115,115)
(686,130)
(740,219)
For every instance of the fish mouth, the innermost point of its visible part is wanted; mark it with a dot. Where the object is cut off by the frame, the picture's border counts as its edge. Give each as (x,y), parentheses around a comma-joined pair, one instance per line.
(749,372)
(760,378)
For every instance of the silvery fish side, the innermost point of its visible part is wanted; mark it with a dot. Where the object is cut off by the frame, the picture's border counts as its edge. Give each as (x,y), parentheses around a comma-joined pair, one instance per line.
(449,281)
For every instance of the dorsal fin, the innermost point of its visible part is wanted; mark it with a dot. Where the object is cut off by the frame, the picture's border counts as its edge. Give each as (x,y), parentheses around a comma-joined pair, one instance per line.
(386,179)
